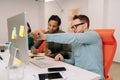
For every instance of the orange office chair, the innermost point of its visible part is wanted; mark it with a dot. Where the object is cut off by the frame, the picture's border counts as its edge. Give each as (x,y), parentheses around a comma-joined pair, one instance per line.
(109,48)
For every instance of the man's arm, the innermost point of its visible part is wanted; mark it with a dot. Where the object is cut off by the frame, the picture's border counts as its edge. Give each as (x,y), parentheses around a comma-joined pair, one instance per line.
(74,38)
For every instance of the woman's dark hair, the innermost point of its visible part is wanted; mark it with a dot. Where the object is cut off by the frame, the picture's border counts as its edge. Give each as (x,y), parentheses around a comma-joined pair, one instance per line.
(55,18)
(83,18)
(29,28)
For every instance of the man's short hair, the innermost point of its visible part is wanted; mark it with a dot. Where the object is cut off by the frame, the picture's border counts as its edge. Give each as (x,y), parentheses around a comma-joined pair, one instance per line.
(82,18)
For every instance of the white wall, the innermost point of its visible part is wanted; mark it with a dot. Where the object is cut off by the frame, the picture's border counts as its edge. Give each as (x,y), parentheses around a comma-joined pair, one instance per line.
(8,8)
(113,21)
(102,14)
(56,6)
(51,9)
(96,13)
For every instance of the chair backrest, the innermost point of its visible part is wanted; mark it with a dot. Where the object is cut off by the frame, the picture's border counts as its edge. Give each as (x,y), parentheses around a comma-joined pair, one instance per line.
(109,48)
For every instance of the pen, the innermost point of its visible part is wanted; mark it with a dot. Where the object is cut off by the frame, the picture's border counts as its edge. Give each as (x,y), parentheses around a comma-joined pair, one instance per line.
(1,58)
(34,56)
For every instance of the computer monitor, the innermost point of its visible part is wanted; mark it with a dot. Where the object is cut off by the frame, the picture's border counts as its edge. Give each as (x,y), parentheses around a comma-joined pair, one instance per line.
(19,47)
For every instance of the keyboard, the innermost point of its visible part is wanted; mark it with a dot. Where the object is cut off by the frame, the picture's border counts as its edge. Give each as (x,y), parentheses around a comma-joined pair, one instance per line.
(40,63)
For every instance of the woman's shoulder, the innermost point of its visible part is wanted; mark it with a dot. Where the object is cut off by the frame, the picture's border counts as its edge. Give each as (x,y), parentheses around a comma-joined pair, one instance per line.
(47,32)
(61,31)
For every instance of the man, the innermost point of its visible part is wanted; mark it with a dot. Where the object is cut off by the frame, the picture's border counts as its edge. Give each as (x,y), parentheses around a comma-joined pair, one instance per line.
(86,45)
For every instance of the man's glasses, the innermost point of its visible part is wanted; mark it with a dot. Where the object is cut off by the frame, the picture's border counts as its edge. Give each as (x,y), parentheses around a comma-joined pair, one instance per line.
(75,26)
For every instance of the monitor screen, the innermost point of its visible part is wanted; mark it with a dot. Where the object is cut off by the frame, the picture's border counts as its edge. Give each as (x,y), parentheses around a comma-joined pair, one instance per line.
(17,35)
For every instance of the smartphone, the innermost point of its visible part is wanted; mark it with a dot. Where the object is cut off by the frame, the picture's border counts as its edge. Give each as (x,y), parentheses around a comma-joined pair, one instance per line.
(56,69)
(50,76)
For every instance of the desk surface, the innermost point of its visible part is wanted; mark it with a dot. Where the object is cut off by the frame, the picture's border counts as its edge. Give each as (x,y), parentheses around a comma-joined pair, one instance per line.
(72,72)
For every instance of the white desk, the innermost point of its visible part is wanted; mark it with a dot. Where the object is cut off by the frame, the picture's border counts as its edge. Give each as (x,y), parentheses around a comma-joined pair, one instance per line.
(72,72)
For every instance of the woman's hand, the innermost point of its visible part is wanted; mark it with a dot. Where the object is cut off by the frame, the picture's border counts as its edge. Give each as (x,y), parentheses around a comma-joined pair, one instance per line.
(39,35)
(34,51)
(47,52)
(59,57)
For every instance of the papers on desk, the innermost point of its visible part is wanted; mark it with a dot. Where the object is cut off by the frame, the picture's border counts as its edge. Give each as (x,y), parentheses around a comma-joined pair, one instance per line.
(40,63)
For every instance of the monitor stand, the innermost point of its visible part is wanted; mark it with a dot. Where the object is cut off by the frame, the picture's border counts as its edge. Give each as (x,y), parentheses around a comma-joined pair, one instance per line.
(13,53)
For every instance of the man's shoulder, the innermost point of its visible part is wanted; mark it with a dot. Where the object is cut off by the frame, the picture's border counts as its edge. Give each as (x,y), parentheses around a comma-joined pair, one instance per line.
(92,32)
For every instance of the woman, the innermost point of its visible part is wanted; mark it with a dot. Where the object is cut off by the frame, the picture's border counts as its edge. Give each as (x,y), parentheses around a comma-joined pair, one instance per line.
(52,48)
(30,39)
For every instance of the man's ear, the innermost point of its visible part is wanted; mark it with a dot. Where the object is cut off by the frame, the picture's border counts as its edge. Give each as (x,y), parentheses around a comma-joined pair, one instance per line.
(85,26)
